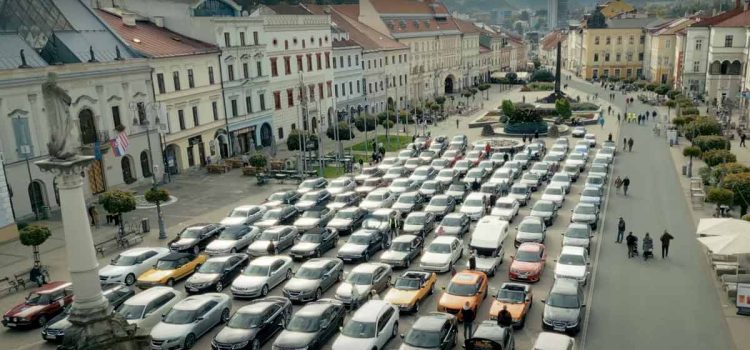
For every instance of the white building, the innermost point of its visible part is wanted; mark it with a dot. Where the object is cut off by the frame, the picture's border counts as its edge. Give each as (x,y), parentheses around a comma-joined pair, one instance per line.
(8,230)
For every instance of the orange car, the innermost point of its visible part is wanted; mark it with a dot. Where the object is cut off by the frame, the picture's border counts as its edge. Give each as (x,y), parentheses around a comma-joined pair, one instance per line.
(465,286)
(517,298)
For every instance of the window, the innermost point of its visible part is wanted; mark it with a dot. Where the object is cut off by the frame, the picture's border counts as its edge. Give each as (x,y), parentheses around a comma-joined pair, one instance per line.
(294,126)
(230,72)
(281,133)
(617,57)
(341,61)
(160,83)
(255,38)
(227,41)
(320,91)
(311,89)
(290,97)
(259,68)
(262,98)
(334,63)
(358,84)
(196,120)
(191,79)
(350,88)
(608,41)
(696,66)
(668,43)
(246,70)
(215,110)
(349,61)
(629,56)
(356,60)
(249,104)
(277,100)
(631,40)
(606,57)
(286,44)
(309,62)
(728,40)
(642,39)
(299,63)
(319,61)
(328,60)
(287,66)
(336,91)
(116,116)
(596,57)
(176,79)
(328,87)
(141,110)
(274,68)
(698,44)
(640,56)
(343,89)
(211,75)
(181,119)
(619,40)
(234,108)
(242,38)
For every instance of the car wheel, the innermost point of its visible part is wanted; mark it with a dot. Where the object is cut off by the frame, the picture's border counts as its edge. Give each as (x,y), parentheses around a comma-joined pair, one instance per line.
(196,250)
(415,309)
(432,289)
(225,316)
(256,345)
(219,287)
(366,256)
(264,290)
(318,294)
(170,282)
(288,274)
(317,253)
(593,227)
(233,250)
(42,321)
(129,279)
(189,341)
(394,332)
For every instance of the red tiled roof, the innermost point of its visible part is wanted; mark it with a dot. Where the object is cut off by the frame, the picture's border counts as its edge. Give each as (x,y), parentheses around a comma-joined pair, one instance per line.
(344,43)
(466,27)
(359,33)
(549,42)
(705,22)
(409,6)
(741,19)
(349,10)
(284,9)
(155,41)
(397,26)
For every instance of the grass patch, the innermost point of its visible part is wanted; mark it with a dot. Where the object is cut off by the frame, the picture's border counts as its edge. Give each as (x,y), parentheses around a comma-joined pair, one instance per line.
(396,143)
(332,172)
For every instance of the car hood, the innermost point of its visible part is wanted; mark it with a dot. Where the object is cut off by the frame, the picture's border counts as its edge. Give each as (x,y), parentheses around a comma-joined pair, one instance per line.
(340,223)
(365,189)
(393,255)
(370,204)
(399,297)
(345,289)
(63,324)
(455,301)
(579,242)
(552,313)
(412,228)
(304,205)
(450,230)
(541,214)
(435,258)
(229,335)
(305,247)
(524,266)
(183,242)
(570,270)
(289,339)
(300,284)
(351,248)
(515,309)
(259,246)
(583,217)
(504,212)
(590,199)
(409,347)
(24,310)
(529,236)
(267,223)
(203,278)
(111,270)
(221,244)
(155,275)
(402,206)
(232,221)
(306,222)
(249,281)
(271,204)
(336,205)
(336,190)
(559,184)
(170,331)
(467,209)
(344,342)
(552,197)
(486,263)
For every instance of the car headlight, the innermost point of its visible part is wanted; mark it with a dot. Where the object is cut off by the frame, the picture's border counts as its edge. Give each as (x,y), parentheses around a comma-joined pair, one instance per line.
(240,345)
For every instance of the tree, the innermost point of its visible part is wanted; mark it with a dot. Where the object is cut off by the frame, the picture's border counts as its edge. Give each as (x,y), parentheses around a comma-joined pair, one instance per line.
(542,75)
(691,152)
(298,138)
(718,156)
(118,202)
(344,132)
(562,106)
(508,108)
(484,87)
(702,126)
(33,236)
(258,160)
(720,196)
(651,87)
(366,121)
(662,89)
(709,142)
(670,104)
(537,63)
(740,185)
(512,77)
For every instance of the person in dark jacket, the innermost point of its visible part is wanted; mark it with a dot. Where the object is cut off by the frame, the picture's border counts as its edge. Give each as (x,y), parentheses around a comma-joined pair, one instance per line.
(620,230)
(475,186)
(625,185)
(505,157)
(665,238)
(630,144)
(473,260)
(632,242)
(271,248)
(504,318)
(36,275)
(468,318)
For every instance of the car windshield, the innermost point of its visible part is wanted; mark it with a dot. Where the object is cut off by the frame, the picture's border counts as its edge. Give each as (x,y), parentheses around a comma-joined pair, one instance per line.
(439,201)
(394,171)
(416,220)
(518,190)
(272,214)
(376,197)
(527,256)
(124,260)
(167,264)
(457,188)
(233,232)
(590,192)
(246,320)
(306,324)
(401,246)
(500,175)
(446,173)
(279,196)
(585,209)
(422,339)
(570,259)
(371,182)
(360,278)
(345,215)
(212,267)
(553,191)
(521,157)
(510,296)
(311,238)
(440,248)
(566,301)
(269,236)
(239,213)
(177,316)
(598,168)
(359,240)
(407,198)
(450,154)
(315,214)
(421,172)
(131,312)
(440,162)
(429,185)
(312,196)
(462,164)
(577,232)
(339,183)
(408,284)
(309,184)
(531,176)
(571,169)
(38,299)
(576,156)
(257,271)
(357,329)
(369,171)
(342,199)
(540,166)
(474,202)
(191,232)
(531,227)
(544,206)
(504,205)
(427,154)
(406,153)
(413,162)
(451,222)
(461,289)
(560,178)
(594,180)
(309,273)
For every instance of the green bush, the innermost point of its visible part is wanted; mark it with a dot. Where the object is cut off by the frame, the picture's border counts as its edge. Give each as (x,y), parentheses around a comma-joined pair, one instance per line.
(258,160)
(720,196)
(343,130)
(709,142)
(689,111)
(562,106)
(296,137)
(367,121)
(525,116)
(34,235)
(673,94)
(156,195)
(662,89)
(508,108)
(740,185)
(542,75)
(583,106)
(540,86)
(718,156)
(117,201)
(702,126)
(512,77)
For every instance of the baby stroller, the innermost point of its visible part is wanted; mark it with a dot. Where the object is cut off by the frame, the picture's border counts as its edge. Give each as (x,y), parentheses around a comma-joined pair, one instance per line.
(648,253)
(633,251)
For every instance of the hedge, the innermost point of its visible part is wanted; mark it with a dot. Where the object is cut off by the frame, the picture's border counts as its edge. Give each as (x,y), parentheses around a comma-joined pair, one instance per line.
(709,142)
(718,156)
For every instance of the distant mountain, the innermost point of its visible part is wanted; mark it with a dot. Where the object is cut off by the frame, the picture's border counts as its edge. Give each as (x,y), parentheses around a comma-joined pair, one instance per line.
(467,6)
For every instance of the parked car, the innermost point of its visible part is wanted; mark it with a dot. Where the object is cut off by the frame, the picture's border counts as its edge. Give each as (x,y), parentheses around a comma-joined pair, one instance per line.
(370,327)
(462,167)
(454,224)
(606,153)
(422,174)
(541,169)
(370,185)
(254,324)
(441,205)
(554,194)
(367,173)
(466,286)
(520,192)
(578,131)
(475,175)
(595,181)
(281,237)
(365,278)
(195,238)
(523,159)
(574,171)
(517,298)
(446,176)
(431,188)
(341,185)
(564,307)
(474,205)
(573,263)
(576,159)
(488,166)
(506,208)
(362,245)
(312,199)
(452,156)
(315,184)
(591,139)
(128,265)
(599,170)
(458,191)
(410,289)
(528,263)
(434,331)
(347,220)
(380,220)
(312,326)
(281,215)
(502,176)
(554,341)
(244,215)
(313,277)
(389,162)
(233,239)
(427,156)
(216,273)
(586,213)
(440,163)
(170,269)
(419,223)
(441,254)
(40,306)
(396,172)
(314,217)
(532,180)
(380,198)
(146,309)
(545,210)
(403,250)
(475,157)
(261,275)
(314,243)
(561,179)
(531,229)
(281,198)
(578,235)
(406,154)
(592,195)
(190,319)
(515,167)
(409,202)
(344,200)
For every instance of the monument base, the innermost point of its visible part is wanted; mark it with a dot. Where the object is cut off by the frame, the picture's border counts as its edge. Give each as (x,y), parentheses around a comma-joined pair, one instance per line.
(102,329)
(556,96)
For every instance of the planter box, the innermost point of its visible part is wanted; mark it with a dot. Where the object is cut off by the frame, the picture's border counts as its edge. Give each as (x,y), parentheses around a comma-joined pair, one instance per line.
(526,128)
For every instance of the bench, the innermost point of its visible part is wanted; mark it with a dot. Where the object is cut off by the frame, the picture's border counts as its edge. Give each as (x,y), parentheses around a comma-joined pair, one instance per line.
(106,246)
(130,239)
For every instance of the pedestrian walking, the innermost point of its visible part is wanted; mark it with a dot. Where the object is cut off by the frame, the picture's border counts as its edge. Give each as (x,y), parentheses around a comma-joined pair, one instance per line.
(468,318)
(609,138)
(620,230)
(632,242)
(504,318)
(487,150)
(624,143)
(625,185)
(523,98)
(665,238)
(618,184)
(456,123)
(473,259)
(523,138)
(743,137)
(618,118)
(648,247)
(493,199)
(505,157)
(630,144)
(609,109)
(271,249)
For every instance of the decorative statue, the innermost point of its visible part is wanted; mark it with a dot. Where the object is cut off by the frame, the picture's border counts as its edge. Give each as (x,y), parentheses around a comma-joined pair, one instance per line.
(57,104)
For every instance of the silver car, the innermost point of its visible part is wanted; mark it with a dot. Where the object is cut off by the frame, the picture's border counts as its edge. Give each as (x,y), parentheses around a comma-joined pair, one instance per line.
(313,199)
(599,170)
(189,319)
(454,224)
(578,235)
(380,198)
(441,205)
(368,172)
(413,163)
(592,195)
(419,223)
(520,192)
(431,187)
(587,214)
(532,180)
(313,278)
(446,176)
(423,173)
(440,164)
(546,210)
(503,176)
(395,172)
(531,229)
(400,186)
(475,174)
(506,208)
(341,185)
(408,202)
(363,278)
(312,185)
(561,180)
(458,191)
(281,237)
(344,200)
(244,215)
(573,171)
(261,276)
(314,217)
(233,239)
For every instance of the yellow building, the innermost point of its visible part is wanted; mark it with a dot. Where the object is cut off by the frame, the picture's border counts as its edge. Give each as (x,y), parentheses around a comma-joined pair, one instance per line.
(660,45)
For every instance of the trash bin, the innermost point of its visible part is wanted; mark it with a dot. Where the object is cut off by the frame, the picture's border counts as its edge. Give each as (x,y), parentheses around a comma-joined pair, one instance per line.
(684,170)
(44,211)
(145,226)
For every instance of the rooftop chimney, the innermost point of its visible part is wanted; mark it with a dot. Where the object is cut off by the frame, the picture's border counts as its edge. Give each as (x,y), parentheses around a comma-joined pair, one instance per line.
(128,19)
(158,21)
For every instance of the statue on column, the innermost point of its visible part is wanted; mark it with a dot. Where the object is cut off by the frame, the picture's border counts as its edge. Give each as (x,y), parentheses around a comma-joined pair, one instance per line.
(57,105)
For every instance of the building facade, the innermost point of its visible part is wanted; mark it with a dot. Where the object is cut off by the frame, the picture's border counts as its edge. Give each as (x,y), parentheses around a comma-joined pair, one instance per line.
(8,229)
(557,14)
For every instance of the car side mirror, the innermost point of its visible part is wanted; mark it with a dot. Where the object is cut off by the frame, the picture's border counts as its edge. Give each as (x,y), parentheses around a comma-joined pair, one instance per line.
(544,301)
(199,319)
(583,305)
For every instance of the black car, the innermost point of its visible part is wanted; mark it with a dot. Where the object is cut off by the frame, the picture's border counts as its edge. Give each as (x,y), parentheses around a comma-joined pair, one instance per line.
(194,238)
(362,245)
(280,198)
(281,215)
(409,202)
(435,331)
(216,273)
(313,199)
(403,250)
(314,243)
(348,220)
(312,326)
(255,324)
(54,330)
(419,223)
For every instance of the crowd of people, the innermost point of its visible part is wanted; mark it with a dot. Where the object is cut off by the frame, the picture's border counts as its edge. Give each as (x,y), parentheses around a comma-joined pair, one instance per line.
(631,241)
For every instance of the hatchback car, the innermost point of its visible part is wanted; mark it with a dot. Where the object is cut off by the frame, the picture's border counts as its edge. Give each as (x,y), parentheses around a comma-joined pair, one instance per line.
(454,224)
(528,263)
(189,319)
(281,215)
(276,239)
(40,306)
(313,277)
(441,205)
(466,286)
(314,217)
(169,269)
(347,220)
(517,298)
(233,239)
(441,254)
(341,185)
(147,308)
(370,327)
(419,223)
(564,307)
(545,210)
(506,208)
(312,326)
(359,283)
(244,215)
(573,263)
(254,324)
(521,193)
(281,198)
(362,245)
(531,229)
(128,265)
(403,250)
(434,331)
(578,235)
(216,273)
(344,200)
(195,238)
(408,202)
(313,199)
(261,276)
(554,194)
(312,185)
(586,213)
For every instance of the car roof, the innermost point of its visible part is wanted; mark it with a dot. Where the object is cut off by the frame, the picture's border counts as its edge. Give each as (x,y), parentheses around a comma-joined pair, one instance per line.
(314,309)
(467,277)
(565,286)
(317,262)
(583,204)
(257,307)
(552,341)
(194,302)
(349,209)
(370,311)
(383,211)
(141,250)
(417,214)
(441,196)
(52,287)
(367,267)
(530,247)
(474,195)
(380,190)
(506,200)
(532,218)
(222,258)
(572,250)
(444,239)
(176,256)
(431,322)
(455,216)
(266,260)
(578,225)
(404,238)
(150,294)
(246,207)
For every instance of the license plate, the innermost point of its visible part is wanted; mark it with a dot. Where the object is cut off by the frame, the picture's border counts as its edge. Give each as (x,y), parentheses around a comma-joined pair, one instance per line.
(348,260)
(11,324)
(193,289)
(50,336)
(559,329)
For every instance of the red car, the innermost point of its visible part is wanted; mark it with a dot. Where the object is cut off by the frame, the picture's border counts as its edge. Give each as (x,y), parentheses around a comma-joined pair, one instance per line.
(40,306)
(528,263)
(475,157)
(452,156)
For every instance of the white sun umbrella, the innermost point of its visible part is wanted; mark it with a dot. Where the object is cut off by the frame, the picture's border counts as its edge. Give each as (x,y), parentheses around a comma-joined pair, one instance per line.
(722,227)
(735,244)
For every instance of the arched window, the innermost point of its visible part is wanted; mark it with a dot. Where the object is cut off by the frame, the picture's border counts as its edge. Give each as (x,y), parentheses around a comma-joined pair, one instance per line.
(145,164)
(127,170)
(715,68)
(87,127)
(724,67)
(735,68)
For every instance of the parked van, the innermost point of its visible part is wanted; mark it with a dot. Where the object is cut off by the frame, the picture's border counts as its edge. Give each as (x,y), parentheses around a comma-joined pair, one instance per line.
(488,241)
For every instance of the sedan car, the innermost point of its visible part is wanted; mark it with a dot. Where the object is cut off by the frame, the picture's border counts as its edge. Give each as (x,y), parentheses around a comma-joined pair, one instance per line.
(400,186)
(216,273)
(592,195)
(403,250)
(169,269)
(441,205)
(458,191)
(446,176)
(531,229)
(591,139)
(282,198)
(600,170)
(312,326)
(578,235)
(578,131)
(595,181)
(244,215)
(254,324)
(370,185)
(419,223)
(574,171)
(435,331)
(573,263)
(586,213)
(441,254)
(545,210)
(520,192)
(281,215)
(454,224)
(40,306)
(475,175)
(361,281)
(314,243)
(347,220)
(502,176)
(312,185)
(576,159)
(506,208)
(431,188)
(380,198)
(261,276)
(408,202)
(531,180)
(313,199)
(233,239)
(189,319)
(517,298)
(194,238)
(362,245)
(440,164)
(452,156)
(427,156)
(528,263)
(394,173)
(368,172)
(524,159)
(466,286)
(606,153)
(422,174)
(541,169)
(555,195)
(413,163)
(388,163)
(341,185)
(410,289)
(314,277)
(475,205)
(407,153)
(564,307)
(462,167)
(561,180)
(128,265)
(314,217)
(558,150)
(344,200)
(475,157)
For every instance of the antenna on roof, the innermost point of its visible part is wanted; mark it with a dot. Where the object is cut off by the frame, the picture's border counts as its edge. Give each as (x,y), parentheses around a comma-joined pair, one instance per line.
(23,60)
(91,53)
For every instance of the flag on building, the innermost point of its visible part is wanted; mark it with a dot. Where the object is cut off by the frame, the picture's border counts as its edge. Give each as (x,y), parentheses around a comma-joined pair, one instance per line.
(119,144)
(97,150)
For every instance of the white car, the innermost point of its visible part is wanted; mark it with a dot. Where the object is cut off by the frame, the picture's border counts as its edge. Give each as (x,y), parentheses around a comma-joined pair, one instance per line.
(147,308)
(520,192)
(561,180)
(423,173)
(488,165)
(446,176)
(395,172)
(573,263)
(233,239)
(531,229)
(389,162)
(591,139)
(576,159)
(380,198)
(554,194)
(341,185)
(582,148)
(531,180)
(441,254)
(367,173)
(261,276)
(595,181)
(562,141)
(412,164)
(371,327)
(475,174)
(370,185)
(542,169)
(578,131)
(440,164)
(574,171)
(554,341)
(431,188)
(506,208)
(578,235)
(607,153)
(399,186)
(312,185)
(558,150)
(522,158)
(592,195)
(189,319)
(128,265)
(427,156)
(244,215)
(474,205)
(515,166)
(502,176)
(587,214)
(599,170)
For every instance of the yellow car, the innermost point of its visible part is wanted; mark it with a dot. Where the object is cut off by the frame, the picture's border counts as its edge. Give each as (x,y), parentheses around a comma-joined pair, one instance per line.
(169,269)
(517,298)
(466,286)
(410,289)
